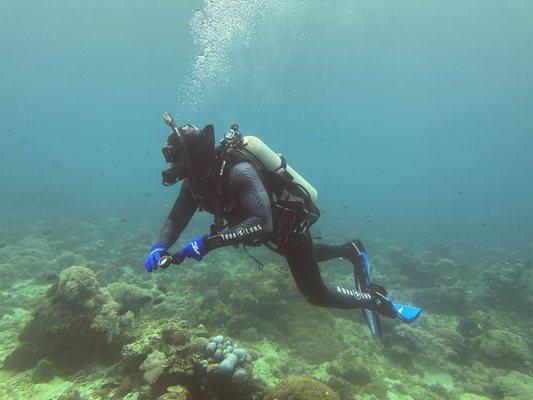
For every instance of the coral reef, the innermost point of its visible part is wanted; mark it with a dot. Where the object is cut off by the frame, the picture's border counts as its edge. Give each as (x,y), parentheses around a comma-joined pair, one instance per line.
(351,366)
(515,385)
(503,349)
(176,392)
(153,366)
(229,359)
(68,325)
(174,355)
(221,329)
(129,297)
(509,284)
(301,388)
(43,372)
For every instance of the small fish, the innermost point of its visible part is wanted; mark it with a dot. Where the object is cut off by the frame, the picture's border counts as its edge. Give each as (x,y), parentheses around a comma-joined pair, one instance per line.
(7,130)
(147,153)
(124,220)
(323,212)
(484,225)
(370,222)
(159,300)
(55,165)
(23,143)
(125,248)
(345,207)
(488,209)
(47,232)
(460,192)
(98,150)
(147,194)
(32,200)
(100,175)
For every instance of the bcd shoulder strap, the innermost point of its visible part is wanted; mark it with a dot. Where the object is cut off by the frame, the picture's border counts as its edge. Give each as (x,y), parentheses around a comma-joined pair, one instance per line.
(226,157)
(231,152)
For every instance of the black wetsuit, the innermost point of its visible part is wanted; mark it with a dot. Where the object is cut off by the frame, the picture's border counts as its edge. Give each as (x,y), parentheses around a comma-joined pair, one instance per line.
(252,222)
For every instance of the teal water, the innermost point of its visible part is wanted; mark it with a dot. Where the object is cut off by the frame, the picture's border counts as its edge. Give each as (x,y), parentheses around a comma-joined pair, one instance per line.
(413,119)
(420,111)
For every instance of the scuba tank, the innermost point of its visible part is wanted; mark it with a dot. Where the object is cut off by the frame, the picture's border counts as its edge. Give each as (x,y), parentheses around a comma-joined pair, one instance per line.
(295,209)
(276,163)
(264,158)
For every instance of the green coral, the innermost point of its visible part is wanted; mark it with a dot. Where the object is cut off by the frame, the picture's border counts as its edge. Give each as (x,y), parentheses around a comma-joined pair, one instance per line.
(509,284)
(153,366)
(175,334)
(129,297)
(43,372)
(71,394)
(445,299)
(63,325)
(477,378)
(309,344)
(108,321)
(472,396)
(503,349)
(77,286)
(178,392)
(515,386)
(399,259)
(353,366)
(301,388)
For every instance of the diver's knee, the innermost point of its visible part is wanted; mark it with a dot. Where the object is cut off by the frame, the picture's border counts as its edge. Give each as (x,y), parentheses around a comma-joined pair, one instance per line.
(357,244)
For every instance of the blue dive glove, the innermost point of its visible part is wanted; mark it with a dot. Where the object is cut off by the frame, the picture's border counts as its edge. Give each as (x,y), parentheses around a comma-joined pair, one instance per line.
(154,255)
(196,249)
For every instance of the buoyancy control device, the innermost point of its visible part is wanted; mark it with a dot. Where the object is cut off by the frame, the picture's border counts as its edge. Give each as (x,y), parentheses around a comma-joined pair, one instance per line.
(293,197)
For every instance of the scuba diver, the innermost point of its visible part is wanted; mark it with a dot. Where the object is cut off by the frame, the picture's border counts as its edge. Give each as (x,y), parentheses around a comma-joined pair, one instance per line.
(256,198)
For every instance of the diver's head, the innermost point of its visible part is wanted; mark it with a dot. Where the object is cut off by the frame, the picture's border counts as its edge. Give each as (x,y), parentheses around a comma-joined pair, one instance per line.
(190,151)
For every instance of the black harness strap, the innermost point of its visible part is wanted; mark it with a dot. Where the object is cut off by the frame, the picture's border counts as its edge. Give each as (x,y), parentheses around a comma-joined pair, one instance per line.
(218,221)
(232,140)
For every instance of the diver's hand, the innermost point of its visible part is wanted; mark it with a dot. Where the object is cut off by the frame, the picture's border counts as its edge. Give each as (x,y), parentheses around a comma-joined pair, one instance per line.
(196,249)
(157,251)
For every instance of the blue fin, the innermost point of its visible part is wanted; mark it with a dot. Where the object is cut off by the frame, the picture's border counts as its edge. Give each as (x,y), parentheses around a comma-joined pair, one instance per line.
(362,282)
(371,317)
(406,313)
(373,322)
